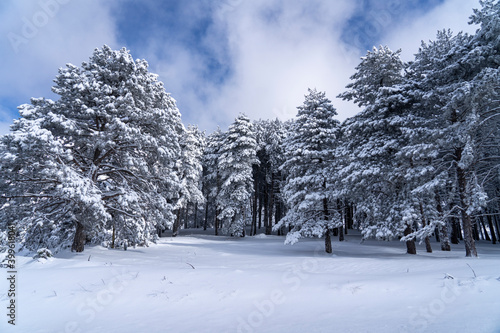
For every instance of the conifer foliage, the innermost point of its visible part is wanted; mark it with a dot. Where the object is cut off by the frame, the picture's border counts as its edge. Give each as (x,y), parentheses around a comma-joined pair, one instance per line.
(99,163)
(237,156)
(309,150)
(109,162)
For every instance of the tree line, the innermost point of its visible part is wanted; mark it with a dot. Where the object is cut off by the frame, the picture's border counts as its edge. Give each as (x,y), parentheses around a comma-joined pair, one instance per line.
(111,163)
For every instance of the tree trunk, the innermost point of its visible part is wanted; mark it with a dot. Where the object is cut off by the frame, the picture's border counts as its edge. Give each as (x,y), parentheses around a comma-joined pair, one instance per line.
(428,246)
(350,216)
(485,232)
(113,238)
(445,241)
(340,209)
(410,244)
(266,208)
(455,231)
(216,222)
(177,224)
(186,216)
(328,237)
(436,233)
(269,226)
(497,225)
(492,229)
(476,233)
(260,211)
(196,215)
(277,215)
(79,240)
(205,223)
(328,241)
(470,244)
(341,234)
(253,229)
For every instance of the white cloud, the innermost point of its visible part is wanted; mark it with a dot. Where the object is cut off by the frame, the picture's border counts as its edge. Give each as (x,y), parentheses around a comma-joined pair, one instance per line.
(452,14)
(42,36)
(277,49)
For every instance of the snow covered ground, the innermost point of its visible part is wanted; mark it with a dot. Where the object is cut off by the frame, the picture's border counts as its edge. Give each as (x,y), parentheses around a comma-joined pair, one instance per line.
(201,283)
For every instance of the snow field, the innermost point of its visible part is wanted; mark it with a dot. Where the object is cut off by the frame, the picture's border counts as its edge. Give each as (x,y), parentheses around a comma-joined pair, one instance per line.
(203,283)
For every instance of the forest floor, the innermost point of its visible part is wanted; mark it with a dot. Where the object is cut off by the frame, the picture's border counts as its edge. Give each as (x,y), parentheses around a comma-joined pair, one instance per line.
(198,282)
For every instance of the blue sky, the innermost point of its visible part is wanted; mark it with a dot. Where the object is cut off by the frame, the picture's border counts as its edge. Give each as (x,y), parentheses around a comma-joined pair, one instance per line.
(216,57)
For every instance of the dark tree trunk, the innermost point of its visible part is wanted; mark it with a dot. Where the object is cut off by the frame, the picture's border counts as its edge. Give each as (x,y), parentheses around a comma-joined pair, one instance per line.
(253,229)
(445,242)
(266,208)
(428,246)
(328,237)
(196,215)
(253,226)
(216,222)
(410,244)
(455,231)
(340,210)
(492,229)
(443,229)
(470,244)
(113,238)
(177,224)
(79,240)
(205,223)
(350,216)
(497,225)
(269,226)
(277,215)
(260,210)
(485,232)
(427,241)
(328,241)
(186,216)
(476,233)
(341,234)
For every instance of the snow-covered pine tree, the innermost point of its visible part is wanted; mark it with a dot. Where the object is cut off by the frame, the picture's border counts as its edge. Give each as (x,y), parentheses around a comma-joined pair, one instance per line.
(41,194)
(270,135)
(309,149)
(485,57)
(190,169)
(237,156)
(380,68)
(98,164)
(450,75)
(429,173)
(211,178)
(370,175)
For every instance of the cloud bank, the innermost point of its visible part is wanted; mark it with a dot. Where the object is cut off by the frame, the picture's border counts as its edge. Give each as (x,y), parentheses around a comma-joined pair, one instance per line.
(38,37)
(218,58)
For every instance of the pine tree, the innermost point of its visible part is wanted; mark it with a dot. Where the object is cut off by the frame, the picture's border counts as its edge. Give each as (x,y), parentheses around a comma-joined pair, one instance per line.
(211,177)
(235,165)
(190,168)
(370,173)
(270,135)
(98,163)
(443,78)
(309,149)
